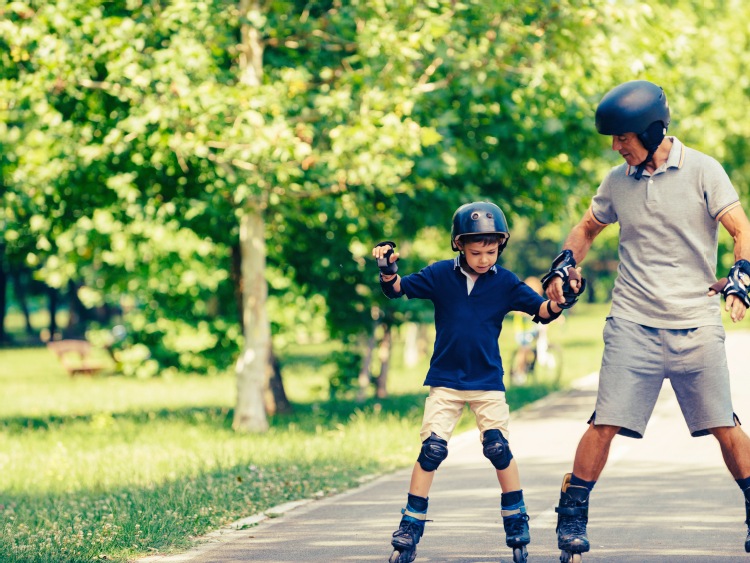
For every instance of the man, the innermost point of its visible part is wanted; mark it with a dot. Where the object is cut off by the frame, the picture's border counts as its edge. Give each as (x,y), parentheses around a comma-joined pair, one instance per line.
(664,322)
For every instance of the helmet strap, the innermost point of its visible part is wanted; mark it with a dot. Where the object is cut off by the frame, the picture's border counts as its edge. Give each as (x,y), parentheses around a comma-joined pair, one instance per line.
(651,139)
(642,165)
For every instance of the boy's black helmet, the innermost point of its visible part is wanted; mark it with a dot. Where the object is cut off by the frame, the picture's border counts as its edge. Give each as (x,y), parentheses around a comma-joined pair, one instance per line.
(479,218)
(639,107)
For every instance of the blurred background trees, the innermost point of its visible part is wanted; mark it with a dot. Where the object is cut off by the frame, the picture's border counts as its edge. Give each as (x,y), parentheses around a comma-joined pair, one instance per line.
(137,138)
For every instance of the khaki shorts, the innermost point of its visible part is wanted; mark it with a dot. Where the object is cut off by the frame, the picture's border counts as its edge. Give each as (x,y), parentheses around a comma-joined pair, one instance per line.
(443,409)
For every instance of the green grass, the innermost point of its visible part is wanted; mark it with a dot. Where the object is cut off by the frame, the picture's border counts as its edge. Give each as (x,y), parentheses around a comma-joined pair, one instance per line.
(116,467)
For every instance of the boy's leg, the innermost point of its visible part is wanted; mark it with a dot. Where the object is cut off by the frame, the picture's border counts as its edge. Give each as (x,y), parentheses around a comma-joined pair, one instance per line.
(421,481)
(492,414)
(443,408)
(513,511)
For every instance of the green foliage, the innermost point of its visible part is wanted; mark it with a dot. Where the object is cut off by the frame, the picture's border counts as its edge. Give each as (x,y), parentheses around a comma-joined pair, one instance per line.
(131,142)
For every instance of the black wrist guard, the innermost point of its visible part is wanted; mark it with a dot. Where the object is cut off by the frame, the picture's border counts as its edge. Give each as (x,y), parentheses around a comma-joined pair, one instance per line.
(571,296)
(561,267)
(564,267)
(552,315)
(736,283)
(384,263)
(387,287)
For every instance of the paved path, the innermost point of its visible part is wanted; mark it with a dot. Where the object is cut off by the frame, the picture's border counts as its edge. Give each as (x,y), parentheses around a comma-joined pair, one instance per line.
(666,498)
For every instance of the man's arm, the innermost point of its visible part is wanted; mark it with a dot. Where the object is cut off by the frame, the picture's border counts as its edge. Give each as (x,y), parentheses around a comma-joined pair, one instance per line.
(582,236)
(579,241)
(736,223)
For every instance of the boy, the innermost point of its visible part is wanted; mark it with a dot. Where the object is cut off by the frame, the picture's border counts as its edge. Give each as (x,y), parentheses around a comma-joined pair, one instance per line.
(471,295)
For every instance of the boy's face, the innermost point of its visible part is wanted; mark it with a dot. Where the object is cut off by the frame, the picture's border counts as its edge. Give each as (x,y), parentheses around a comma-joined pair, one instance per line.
(480,257)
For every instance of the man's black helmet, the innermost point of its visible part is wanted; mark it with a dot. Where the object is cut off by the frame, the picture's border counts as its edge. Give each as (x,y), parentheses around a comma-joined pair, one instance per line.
(631,107)
(479,217)
(638,107)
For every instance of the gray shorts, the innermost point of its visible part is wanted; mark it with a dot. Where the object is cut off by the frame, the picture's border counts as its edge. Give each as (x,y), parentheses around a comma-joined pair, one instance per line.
(638,358)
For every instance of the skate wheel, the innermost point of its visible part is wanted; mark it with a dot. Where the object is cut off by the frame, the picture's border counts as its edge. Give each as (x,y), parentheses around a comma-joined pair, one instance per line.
(394,557)
(520,555)
(568,557)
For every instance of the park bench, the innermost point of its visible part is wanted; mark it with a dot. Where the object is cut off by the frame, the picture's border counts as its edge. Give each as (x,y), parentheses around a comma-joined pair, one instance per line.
(76,356)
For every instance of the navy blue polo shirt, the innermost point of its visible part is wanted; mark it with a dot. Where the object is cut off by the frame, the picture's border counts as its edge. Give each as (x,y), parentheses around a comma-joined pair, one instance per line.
(466,355)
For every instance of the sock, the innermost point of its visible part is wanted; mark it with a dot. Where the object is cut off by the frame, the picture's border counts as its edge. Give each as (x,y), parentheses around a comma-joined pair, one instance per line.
(744,484)
(578,482)
(416,504)
(514,499)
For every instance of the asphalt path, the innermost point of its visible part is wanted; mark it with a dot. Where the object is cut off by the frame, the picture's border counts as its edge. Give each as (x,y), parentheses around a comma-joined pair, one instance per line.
(665,498)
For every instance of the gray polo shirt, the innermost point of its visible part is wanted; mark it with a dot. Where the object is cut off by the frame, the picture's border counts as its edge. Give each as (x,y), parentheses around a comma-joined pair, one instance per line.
(669,236)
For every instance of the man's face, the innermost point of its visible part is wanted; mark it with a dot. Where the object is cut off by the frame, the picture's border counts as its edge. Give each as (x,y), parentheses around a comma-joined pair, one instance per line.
(480,257)
(630,148)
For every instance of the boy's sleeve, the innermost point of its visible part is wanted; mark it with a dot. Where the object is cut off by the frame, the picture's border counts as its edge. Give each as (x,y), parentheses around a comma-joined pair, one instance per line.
(525,299)
(420,285)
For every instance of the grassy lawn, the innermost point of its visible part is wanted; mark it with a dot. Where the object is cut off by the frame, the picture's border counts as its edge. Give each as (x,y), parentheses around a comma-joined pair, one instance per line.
(109,467)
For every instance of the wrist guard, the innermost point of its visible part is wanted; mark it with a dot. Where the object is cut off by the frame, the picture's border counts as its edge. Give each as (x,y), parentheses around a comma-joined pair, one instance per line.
(388,289)
(552,315)
(736,283)
(571,297)
(561,267)
(564,267)
(384,263)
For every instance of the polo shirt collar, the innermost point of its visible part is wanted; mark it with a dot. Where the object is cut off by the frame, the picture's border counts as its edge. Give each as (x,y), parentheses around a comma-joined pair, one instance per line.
(675,159)
(457,265)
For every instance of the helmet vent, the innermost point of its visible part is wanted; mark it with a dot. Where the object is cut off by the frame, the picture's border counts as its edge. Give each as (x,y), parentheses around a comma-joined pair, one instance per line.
(475,215)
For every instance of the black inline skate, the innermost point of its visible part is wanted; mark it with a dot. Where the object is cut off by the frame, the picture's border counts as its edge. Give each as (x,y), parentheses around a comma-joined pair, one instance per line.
(406,538)
(516,524)
(747,519)
(572,517)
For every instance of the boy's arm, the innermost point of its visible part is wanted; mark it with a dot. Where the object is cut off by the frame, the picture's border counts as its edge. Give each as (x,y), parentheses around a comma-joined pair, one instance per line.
(390,281)
(548,312)
(549,309)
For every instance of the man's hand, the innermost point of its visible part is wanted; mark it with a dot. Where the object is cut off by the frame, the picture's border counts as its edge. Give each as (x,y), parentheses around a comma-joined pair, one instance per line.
(563,283)
(562,295)
(734,288)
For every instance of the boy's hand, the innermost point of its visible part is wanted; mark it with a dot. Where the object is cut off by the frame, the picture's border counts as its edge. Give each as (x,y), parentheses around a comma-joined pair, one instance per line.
(386,257)
(562,292)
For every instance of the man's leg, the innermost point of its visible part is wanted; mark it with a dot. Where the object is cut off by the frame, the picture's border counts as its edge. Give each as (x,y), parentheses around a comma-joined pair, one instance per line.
(593,451)
(735,448)
(572,511)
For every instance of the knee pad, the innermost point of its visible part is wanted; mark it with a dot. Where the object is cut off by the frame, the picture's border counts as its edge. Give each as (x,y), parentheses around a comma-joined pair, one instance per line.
(434,451)
(497,449)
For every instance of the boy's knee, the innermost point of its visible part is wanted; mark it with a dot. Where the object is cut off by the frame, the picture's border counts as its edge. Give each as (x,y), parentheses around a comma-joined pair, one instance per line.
(496,449)
(434,451)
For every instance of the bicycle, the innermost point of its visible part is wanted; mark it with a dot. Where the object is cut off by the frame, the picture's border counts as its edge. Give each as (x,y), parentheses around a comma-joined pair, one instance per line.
(536,361)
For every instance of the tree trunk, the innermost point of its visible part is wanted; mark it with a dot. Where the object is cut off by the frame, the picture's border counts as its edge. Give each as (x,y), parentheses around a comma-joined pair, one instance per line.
(78,314)
(384,355)
(19,291)
(52,295)
(250,412)
(236,274)
(364,378)
(276,399)
(3,293)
